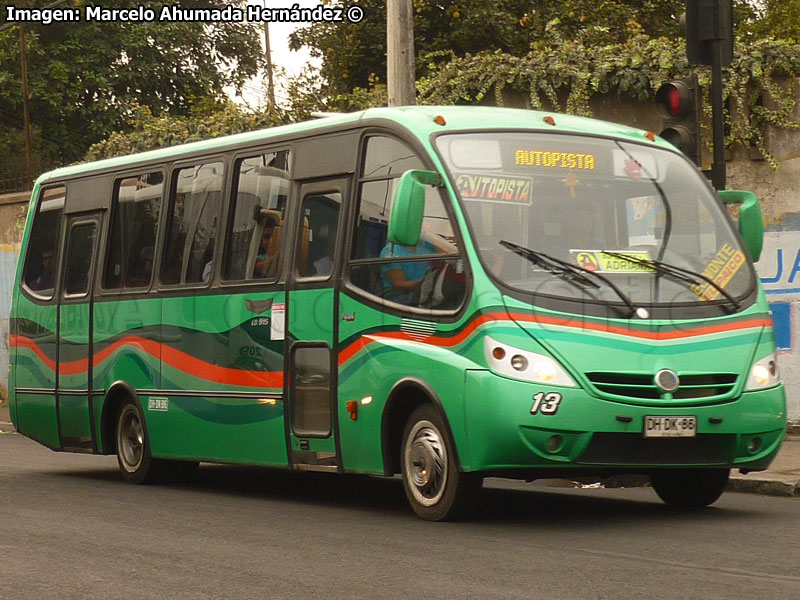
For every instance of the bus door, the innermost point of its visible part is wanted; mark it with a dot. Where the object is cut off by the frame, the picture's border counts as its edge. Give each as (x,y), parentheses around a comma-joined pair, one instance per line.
(74,400)
(311,409)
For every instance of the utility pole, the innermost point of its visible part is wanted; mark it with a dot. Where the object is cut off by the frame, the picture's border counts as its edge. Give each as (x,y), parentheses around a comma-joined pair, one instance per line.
(23,59)
(719,168)
(26,112)
(270,82)
(400,53)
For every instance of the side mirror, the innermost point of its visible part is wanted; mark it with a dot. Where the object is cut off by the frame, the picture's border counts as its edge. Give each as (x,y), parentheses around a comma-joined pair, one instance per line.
(751,224)
(408,206)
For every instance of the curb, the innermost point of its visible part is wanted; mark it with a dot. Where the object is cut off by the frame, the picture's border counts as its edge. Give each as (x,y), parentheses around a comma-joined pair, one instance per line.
(766,486)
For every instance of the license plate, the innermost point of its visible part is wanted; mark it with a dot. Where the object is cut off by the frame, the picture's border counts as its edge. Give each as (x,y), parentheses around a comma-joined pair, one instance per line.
(670,426)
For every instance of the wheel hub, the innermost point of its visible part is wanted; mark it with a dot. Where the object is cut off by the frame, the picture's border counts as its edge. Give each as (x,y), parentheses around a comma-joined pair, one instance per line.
(426,463)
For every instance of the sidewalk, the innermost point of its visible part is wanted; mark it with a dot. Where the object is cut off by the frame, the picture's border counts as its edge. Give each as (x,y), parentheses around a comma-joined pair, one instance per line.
(782,478)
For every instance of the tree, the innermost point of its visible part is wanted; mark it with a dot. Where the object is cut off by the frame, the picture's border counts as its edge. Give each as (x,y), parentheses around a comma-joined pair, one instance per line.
(86,76)
(779,19)
(147,132)
(353,55)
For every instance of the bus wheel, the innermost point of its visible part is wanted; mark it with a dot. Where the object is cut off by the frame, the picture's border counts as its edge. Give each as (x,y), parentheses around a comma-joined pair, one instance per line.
(690,488)
(133,452)
(434,486)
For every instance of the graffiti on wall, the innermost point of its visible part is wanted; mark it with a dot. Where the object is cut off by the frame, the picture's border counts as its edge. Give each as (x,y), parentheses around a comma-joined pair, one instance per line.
(779,271)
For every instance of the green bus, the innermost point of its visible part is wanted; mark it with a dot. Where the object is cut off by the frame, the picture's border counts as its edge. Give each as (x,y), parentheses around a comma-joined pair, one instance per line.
(444,293)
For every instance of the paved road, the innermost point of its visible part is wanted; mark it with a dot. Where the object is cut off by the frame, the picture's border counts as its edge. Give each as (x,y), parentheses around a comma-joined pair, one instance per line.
(69,528)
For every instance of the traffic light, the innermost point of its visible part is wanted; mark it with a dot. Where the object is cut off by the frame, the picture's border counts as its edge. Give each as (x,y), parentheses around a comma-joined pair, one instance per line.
(706,21)
(680,101)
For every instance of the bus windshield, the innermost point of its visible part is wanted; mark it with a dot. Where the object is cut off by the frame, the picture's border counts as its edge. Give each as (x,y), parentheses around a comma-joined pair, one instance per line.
(614,208)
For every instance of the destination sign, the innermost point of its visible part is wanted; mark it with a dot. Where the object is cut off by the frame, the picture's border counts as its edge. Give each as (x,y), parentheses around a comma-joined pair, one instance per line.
(554,159)
(495,188)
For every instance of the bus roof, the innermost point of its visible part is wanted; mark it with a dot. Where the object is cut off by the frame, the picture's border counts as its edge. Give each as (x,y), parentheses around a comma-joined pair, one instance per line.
(419,120)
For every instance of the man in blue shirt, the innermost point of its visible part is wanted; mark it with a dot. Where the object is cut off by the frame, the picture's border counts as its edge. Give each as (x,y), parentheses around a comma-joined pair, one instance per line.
(401,281)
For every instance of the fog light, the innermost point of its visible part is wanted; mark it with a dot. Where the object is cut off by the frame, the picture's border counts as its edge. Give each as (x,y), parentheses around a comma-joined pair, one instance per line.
(754,445)
(554,443)
(519,362)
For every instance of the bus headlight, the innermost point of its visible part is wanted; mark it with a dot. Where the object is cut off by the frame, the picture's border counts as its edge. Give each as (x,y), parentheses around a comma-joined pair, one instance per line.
(522,364)
(764,374)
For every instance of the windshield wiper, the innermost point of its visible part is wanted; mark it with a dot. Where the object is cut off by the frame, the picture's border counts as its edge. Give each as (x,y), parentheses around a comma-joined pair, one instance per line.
(680,273)
(573,272)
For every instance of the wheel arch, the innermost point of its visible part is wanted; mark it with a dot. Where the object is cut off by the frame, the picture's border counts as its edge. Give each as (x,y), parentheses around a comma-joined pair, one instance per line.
(403,399)
(118,393)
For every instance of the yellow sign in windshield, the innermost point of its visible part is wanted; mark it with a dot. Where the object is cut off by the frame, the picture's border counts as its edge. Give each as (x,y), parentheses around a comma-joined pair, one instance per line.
(722,268)
(597,260)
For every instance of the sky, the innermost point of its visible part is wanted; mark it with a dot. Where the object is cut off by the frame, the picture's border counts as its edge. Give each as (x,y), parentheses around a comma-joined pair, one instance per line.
(254,94)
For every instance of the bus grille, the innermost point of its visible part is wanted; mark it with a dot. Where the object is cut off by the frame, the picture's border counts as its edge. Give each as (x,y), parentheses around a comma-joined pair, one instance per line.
(642,387)
(633,449)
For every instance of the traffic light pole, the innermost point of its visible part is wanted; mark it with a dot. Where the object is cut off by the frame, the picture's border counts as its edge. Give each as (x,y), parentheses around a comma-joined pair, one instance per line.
(718,169)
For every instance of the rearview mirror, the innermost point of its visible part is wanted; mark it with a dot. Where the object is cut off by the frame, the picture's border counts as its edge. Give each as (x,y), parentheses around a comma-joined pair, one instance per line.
(751,224)
(408,206)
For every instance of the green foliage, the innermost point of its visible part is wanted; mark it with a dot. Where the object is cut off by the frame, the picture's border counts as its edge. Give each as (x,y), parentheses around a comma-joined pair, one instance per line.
(354,55)
(308,94)
(769,18)
(147,132)
(86,77)
(760,83)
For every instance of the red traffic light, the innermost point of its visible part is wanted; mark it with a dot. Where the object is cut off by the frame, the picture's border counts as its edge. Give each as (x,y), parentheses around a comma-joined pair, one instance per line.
(680,102)
(675,99)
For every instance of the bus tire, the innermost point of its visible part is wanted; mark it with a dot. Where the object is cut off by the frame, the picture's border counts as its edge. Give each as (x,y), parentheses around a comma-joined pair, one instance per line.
(133,448)
(435,488)
(690,488)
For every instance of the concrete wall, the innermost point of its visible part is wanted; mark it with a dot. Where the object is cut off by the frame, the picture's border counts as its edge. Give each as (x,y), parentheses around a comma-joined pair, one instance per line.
(11,207)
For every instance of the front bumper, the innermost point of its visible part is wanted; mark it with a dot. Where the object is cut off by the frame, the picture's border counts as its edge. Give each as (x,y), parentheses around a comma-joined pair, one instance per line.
(588,434)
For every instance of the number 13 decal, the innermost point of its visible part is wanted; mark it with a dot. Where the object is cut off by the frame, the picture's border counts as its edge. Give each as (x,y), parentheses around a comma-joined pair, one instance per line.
(547,404)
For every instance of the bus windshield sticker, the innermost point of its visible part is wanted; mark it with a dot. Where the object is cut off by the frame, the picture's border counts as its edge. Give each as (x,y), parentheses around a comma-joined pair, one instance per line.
(495,188)
(633,163)
(570,182)
(722,268)
(277,324)
(597,260)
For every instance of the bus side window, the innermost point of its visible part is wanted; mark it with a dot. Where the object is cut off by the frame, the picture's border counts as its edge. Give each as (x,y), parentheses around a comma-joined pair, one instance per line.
(429,281)
(39,274)
(321,214)
(195,205)
(255,234)
(79,259)
(132,237)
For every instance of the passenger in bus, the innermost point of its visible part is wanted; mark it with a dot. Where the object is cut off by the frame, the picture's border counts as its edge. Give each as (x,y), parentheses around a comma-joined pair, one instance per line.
(46,280)
(323,265)
(402,281)
(141,275)
(268,255)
